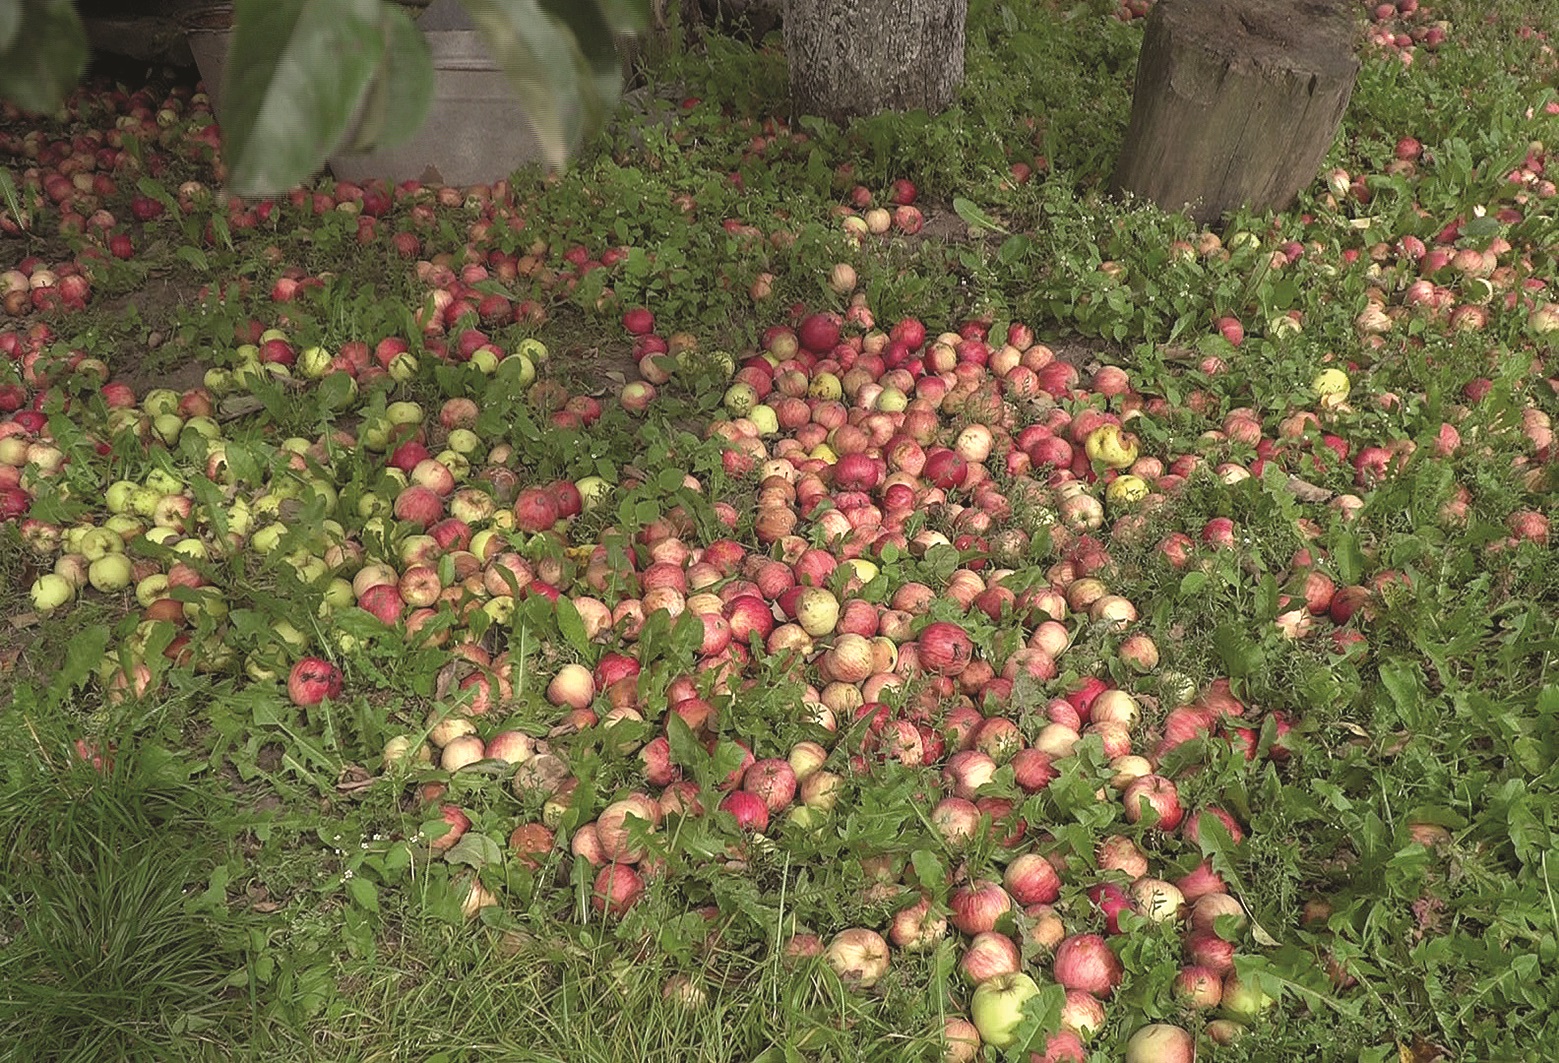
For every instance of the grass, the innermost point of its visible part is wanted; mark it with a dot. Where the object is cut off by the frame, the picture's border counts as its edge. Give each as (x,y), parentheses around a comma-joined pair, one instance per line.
(230,888)
(112,951)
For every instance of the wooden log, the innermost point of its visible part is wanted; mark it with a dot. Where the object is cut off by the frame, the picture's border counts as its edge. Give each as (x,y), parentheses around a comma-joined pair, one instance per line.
(1236,102)
(861,57)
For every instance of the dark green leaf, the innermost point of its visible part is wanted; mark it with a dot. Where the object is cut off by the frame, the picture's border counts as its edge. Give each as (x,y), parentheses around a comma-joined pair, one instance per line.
(974,217)
(297,73)
(10,22)
(398,101)
(728,757)
(1041,1018)
(1013,248)
(556,56)
(86,651)
(364,893)
(1481,229)
(477,850)
(46,53)
(928,869)
(1240,655)
(572,626)
(686,750)
(625,16)
(1350,558)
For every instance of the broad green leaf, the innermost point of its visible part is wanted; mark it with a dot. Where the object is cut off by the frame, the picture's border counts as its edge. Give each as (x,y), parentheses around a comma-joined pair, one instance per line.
(1349,557)
(10,22)
(626,16)
(1240,655)
(603,67)
(686,750)
(297,73)
(46,53)
(364,893)
(1013,248)
(974,217)
(548,68)
(572,626)
(928,869)
(398,101)
(475,849)
(728,757)
(87,650)
(1483,228)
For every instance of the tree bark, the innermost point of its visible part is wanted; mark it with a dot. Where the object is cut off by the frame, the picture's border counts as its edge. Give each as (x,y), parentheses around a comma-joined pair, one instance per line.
(859,57)
(1236,102)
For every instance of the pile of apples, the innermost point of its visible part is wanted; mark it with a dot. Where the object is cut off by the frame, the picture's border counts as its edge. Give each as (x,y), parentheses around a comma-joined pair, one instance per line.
(1401,27)
(916,526)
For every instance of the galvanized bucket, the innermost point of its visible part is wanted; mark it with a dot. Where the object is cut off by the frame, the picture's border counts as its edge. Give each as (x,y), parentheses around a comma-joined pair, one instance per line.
(476,131)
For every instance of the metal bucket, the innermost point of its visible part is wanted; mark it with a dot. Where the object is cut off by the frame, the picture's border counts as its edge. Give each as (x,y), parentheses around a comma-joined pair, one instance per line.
(208,32)
(476,131)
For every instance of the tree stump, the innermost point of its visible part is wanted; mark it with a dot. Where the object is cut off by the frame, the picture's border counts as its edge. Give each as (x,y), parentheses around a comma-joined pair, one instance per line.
(860,57)
(1236,102)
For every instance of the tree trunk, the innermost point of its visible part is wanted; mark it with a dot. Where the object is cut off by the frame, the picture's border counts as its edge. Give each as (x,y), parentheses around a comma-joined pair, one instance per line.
(859,57)
(1236,102)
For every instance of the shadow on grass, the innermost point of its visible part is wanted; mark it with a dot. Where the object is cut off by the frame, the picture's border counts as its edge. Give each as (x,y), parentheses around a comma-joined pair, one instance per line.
(108,951)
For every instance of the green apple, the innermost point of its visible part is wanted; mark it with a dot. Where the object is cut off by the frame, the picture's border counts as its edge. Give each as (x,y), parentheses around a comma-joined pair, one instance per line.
(403,412)
(402,367)
(194,549)
(117,497)
(500,609)
(464,441)
(592,489)
(338,593)
(111,572)
(485,360)
(997,1007)
(518,369)
(51,591)
(1332,387)
(164,483)
(314,362)
(375,434)
(1110,446)
(151,588)
(218,381)
(764,418)
(1244,1000)
(240,518)
(740,399)
(98,542)
(168,426)
(208,603)
(265,539)
(1126,490)
(205,427)
(825,386)
(143,500)
(457,463)
(532,349)
(159,401)
(124,526)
